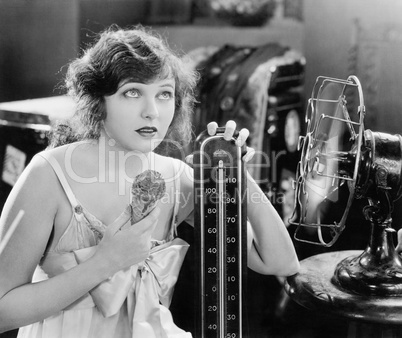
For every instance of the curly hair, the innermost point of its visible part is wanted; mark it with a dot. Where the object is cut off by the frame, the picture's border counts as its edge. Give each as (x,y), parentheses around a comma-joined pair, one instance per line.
(120,54)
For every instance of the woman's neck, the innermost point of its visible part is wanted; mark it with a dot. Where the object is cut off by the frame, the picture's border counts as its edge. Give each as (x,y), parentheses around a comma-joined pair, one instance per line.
(116,160)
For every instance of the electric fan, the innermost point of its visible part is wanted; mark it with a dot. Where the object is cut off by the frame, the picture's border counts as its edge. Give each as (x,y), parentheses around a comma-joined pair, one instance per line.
(340,162)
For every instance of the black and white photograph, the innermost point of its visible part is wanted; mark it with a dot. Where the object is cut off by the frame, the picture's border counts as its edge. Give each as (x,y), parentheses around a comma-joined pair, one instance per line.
(200,169)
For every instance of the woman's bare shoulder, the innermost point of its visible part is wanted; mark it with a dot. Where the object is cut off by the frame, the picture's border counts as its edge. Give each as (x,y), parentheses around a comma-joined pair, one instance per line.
(77,149)
(39,175)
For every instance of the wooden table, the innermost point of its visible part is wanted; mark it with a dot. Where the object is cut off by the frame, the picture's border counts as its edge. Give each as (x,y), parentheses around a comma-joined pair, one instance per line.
(368,316)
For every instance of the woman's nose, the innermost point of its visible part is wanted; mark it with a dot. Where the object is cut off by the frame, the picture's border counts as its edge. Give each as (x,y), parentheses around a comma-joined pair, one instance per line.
(150,110)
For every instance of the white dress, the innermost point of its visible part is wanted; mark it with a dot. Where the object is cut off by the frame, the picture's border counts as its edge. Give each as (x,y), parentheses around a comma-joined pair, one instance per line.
(132,303)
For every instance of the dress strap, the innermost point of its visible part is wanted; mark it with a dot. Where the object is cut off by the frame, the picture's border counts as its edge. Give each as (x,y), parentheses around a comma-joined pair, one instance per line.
(60,175)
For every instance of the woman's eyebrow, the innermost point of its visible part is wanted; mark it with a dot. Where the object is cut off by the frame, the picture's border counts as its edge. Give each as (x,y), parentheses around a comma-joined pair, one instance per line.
(132,81)
(122,84)
(167,85)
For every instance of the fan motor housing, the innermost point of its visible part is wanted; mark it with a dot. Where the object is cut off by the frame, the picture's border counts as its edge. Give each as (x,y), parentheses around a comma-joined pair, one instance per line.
(381,166)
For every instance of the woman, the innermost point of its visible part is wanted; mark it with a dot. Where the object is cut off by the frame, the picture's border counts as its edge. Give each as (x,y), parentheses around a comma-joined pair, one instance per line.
(90,262)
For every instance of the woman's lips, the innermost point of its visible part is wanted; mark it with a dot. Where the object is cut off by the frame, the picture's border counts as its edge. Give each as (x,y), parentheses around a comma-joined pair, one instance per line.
(147,131)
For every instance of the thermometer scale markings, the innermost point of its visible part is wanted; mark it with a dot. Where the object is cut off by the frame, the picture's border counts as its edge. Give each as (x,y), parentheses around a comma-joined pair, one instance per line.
(222,284)
(222,237)
(221,220)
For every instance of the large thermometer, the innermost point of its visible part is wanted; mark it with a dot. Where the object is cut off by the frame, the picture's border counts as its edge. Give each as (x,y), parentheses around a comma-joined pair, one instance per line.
(221,236)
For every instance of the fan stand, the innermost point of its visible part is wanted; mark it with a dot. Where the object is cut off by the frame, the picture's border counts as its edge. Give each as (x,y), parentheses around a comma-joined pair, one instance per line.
(378,270)
(366,287)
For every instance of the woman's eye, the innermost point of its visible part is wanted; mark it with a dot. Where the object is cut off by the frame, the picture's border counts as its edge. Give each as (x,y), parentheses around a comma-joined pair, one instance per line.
(132,93)
(166,95)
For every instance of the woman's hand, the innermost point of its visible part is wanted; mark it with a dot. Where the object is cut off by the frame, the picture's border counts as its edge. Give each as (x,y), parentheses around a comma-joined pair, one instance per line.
(230,129)
(123,244)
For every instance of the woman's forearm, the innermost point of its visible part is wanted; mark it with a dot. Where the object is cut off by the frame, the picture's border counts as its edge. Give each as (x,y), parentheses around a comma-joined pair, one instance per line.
(274,251)
(33,302)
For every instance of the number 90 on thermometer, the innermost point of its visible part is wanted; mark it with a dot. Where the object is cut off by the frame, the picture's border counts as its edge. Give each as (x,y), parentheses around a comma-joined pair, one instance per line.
(221,236)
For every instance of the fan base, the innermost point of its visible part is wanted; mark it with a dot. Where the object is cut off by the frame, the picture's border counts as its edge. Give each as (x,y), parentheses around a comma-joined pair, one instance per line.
(385,280)
(376,272)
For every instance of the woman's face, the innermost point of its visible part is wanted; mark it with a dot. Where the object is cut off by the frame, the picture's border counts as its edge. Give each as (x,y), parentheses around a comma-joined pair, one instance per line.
(138,115)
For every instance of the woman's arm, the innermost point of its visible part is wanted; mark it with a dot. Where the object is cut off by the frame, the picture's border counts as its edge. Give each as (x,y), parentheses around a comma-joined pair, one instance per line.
(272,252)
(22,302)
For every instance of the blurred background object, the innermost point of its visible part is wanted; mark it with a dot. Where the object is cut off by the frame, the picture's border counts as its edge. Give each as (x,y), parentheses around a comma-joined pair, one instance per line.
(244,12)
